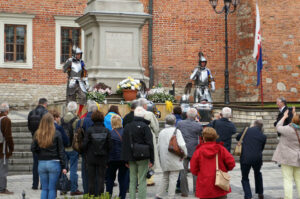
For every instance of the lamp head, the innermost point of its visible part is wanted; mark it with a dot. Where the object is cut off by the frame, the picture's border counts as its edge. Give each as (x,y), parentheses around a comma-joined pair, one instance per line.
(213,3)
(227,3)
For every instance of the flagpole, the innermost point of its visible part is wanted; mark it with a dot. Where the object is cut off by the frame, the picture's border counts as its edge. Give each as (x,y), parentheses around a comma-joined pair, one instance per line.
(261,90)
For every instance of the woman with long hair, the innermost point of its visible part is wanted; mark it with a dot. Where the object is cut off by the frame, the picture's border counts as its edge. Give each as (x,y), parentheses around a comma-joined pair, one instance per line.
(48,146)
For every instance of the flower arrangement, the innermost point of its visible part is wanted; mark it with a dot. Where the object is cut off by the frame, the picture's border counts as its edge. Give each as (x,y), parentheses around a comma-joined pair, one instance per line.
(129,83)
(99,92)
(161,97)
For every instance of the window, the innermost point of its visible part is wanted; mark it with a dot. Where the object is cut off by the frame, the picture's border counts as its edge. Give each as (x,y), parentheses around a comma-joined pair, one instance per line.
(16,40)
(69,36)
(66,29)
(15,43)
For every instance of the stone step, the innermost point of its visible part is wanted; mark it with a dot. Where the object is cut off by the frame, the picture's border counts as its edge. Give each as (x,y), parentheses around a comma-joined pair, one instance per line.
(20,128)
(24,141)
(22,135)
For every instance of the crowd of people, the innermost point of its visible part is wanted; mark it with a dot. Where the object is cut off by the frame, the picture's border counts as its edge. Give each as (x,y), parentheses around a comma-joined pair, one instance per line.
(127,147)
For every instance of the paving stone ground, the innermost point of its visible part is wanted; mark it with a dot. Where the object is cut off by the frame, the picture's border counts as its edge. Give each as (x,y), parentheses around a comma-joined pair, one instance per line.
(272,178)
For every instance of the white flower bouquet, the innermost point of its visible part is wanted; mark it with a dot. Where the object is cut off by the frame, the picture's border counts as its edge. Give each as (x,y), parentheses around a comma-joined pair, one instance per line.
(129,83)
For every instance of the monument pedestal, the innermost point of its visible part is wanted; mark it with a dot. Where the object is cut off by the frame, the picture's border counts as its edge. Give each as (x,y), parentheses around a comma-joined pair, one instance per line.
(113,40)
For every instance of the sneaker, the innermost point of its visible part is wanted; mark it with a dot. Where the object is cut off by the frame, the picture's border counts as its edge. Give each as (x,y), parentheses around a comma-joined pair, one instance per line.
(5,191)
(151,184)
(77,192)
(261,196)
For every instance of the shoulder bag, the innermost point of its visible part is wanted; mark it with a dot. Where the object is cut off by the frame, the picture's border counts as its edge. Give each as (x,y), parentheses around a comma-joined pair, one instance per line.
(296,134)
(173,146)
(222,178)
(238,148)
(139,151)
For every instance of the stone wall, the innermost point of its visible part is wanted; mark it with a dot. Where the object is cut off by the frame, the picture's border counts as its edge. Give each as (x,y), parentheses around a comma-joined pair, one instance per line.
(242,115)
(27,95)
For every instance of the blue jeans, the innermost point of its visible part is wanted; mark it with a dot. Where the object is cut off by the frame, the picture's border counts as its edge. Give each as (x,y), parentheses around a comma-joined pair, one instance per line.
(123,177)
(35,174)
(72,158)
(49,171)
(259,189)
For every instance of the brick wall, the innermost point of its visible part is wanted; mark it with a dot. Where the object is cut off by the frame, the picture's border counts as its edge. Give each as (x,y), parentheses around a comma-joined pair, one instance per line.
(181,29)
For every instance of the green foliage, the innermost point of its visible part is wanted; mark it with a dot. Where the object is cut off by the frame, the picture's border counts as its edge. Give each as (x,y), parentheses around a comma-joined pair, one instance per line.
(161,97)
(87,196)
(119,91)
(96,96)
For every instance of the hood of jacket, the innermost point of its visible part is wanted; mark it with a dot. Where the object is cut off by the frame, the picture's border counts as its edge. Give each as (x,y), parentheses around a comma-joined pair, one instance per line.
(141,120)
(210,149)
(69,116)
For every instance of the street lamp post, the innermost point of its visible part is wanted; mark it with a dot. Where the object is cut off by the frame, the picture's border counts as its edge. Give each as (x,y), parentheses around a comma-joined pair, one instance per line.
(226,10)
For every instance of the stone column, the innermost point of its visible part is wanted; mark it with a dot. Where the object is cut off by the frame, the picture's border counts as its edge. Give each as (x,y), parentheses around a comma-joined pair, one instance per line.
(113,40)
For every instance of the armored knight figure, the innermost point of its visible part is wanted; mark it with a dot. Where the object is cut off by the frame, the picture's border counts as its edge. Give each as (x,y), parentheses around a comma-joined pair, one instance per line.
(77,85)
(202,77)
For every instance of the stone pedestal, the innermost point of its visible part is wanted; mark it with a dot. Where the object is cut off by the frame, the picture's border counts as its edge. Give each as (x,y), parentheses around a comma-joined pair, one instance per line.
(113,40)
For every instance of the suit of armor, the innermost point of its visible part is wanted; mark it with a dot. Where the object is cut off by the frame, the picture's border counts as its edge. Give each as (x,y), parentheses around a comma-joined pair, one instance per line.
(202,77)
(77,79)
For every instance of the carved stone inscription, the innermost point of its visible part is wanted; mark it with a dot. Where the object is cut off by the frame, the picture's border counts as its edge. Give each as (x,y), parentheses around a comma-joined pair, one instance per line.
(119,46)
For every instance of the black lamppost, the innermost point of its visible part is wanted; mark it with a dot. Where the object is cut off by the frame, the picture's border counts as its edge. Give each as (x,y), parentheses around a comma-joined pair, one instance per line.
(226,10)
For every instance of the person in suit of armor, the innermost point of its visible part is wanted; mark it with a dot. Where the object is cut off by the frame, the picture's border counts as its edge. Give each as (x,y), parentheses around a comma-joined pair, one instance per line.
(77,85)
(202,77)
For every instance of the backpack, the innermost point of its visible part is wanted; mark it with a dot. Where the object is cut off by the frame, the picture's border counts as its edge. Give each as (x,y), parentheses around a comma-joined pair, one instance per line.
(78,138)
(34,121)
(1,134)
(68,128)
(99,142)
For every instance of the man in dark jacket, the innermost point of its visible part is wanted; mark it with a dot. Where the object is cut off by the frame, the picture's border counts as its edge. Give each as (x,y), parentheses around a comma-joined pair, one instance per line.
(87,123)
(190,130)
(8,144)
(137,132)
(34,118)
(224,128)
(253,145)
(282,106)
(129,117)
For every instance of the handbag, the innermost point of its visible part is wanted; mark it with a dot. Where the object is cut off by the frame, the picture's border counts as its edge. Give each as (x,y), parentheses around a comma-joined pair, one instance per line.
(63,184)
(296,134)
(238,148)
(139,151)
(173,146)
(222,178)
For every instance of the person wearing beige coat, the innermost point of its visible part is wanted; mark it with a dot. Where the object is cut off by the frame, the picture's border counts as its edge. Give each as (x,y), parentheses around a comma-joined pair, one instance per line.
(287,154)
(171,164)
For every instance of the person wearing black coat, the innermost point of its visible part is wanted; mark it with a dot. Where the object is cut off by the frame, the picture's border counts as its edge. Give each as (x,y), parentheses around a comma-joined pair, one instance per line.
(253,145)
(33,121)
(97,146)
(281,104)
(137,132)
(224,128)
(129,117)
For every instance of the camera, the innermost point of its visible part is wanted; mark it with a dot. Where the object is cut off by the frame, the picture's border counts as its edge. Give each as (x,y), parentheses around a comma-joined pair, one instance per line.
(150,173)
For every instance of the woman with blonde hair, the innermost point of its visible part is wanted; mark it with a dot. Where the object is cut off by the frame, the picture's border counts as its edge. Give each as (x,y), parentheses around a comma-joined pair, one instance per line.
(115,163)
(203,165)
(287,153)
(48,146)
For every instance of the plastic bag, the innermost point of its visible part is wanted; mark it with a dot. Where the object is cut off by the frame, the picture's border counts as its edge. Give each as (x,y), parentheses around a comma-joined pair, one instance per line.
(63,184)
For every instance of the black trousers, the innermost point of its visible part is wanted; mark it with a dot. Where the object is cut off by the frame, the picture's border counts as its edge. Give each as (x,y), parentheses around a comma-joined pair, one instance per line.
(96,175)
(259,189)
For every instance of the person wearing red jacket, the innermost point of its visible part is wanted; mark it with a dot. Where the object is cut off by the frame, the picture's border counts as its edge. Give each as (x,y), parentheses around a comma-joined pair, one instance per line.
(203,165)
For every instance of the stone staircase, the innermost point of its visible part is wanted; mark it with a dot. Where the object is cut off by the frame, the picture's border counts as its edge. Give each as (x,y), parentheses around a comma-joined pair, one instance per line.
(21,161)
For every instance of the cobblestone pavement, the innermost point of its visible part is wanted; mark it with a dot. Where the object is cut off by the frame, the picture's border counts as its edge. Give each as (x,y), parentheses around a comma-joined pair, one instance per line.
(272,178)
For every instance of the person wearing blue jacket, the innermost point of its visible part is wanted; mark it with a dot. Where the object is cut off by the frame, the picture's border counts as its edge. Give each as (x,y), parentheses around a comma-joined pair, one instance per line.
(115,163)
(253,145)
(113,110)
(59,128)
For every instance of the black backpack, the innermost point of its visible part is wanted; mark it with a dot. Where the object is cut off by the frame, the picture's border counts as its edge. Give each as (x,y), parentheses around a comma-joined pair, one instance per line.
(99,142)
(34,121)
(68,128)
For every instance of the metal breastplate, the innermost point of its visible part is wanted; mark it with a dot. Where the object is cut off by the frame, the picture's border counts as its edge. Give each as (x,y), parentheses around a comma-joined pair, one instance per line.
(76,69)
(202,80)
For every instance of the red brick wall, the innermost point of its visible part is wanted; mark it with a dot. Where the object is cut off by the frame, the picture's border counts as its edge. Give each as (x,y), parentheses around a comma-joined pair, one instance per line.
(43,27)
(181,29)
